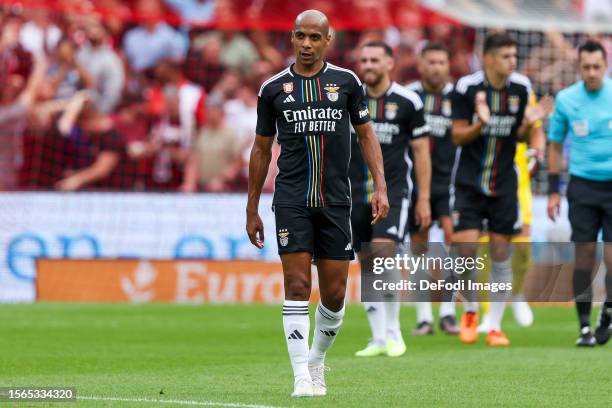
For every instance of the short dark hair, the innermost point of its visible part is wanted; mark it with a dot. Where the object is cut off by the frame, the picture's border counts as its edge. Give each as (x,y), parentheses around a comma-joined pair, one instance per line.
(592,46)
(380,44)
(434,46)
(495,41)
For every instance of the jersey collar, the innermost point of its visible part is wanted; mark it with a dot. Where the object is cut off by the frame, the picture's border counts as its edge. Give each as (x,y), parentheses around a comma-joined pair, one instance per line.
(295,74)
(485,81)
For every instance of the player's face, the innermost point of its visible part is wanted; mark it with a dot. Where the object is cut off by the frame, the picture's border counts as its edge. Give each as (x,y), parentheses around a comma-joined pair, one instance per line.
(503,60)
(593,69)
(374,65)
(434,67)
(309,43)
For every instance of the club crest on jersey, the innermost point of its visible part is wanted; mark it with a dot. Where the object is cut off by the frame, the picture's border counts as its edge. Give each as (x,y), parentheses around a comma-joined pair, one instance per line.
(332,92)
(513,103)
(288,87)
(283,237)
(391,109)
(446,107)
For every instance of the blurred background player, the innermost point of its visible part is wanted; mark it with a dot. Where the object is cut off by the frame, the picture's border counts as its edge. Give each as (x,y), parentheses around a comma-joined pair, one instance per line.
(435,90)
(312,202)
(582,111)
(490,113)
(397,118)
(526,162)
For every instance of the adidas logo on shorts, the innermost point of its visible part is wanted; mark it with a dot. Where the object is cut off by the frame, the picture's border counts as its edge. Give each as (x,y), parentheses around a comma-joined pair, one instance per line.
(392,230)
(348,247)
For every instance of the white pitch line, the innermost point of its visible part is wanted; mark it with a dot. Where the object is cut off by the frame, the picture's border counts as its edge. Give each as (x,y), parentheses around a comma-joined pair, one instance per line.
(177,402)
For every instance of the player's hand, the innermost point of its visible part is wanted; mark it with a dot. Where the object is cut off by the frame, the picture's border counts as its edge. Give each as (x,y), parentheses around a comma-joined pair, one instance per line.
(380,206)
(554,205)
(255,229)
(540,111)
(481,107)
(422,214)
(70,183)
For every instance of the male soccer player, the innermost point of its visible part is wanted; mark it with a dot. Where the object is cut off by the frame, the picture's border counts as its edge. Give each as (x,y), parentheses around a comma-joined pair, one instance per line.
(435,90)
(489,114)
(397,118)
(583,112)
(310,107)
(521,251)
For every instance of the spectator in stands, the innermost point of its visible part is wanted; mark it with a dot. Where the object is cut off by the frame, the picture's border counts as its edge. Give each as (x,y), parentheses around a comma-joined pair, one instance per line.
(15,61)
(551,66)
(241,112)
(40,34)
(66,75)
(104,65)
(189,99)
(216,159)
(117,14)
(229,84)
(178,106)
(237,51)
(94,148)
(17,103)
(262,70)
(266,50)
(154,40)
(203,64)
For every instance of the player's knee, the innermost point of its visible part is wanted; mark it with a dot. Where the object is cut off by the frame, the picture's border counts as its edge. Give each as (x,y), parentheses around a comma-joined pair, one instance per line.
(333,297)
(297,289)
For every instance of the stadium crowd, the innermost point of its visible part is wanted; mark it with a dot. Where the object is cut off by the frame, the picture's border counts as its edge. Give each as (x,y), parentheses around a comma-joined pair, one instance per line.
(148,95)
(138,103)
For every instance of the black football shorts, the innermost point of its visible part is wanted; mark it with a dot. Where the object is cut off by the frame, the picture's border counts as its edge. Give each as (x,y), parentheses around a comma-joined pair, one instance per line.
(325,232)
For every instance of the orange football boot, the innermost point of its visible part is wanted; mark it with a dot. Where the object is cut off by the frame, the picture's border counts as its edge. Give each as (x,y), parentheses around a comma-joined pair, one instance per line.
(468,331)
(497,338)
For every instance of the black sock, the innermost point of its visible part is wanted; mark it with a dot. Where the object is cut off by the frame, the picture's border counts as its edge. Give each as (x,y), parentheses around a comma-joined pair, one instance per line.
(608,302)
(584,313)
(583,294)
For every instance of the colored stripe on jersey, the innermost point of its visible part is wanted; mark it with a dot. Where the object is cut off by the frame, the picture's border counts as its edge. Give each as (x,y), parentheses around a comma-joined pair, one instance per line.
(375,107)
(311,90)
(316,150)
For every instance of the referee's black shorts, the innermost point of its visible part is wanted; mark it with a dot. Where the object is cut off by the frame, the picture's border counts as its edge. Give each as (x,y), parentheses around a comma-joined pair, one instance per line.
(590,209)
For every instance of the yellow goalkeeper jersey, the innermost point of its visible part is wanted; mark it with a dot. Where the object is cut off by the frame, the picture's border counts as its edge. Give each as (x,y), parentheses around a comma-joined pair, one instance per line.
(524,180)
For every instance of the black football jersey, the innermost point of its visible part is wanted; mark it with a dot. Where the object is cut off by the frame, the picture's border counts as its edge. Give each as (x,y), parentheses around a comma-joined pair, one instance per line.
(397,118)
(438,115)
(312,117)
(487,163)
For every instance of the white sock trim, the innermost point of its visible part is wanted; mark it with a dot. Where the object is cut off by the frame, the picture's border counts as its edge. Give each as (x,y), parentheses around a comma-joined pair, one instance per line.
(325,312)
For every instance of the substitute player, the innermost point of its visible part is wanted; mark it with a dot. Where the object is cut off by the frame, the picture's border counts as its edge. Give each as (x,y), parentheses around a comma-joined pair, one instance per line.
(435,91)
(397,118)
(489,114)
(583,112)
(310,107)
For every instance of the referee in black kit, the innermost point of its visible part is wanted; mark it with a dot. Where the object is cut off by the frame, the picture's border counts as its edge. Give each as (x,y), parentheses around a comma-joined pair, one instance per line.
(583,112)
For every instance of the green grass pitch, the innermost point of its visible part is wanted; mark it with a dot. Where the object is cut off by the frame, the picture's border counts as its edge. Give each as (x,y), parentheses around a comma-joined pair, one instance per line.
(236,355)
